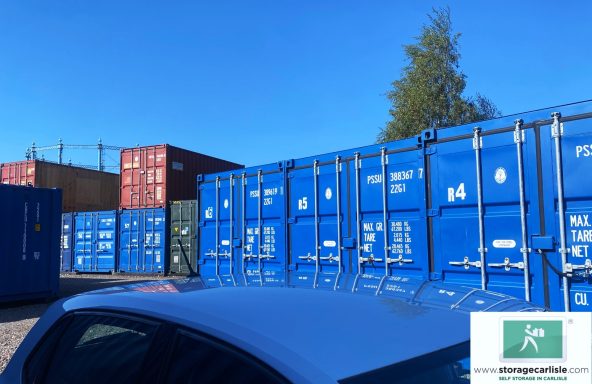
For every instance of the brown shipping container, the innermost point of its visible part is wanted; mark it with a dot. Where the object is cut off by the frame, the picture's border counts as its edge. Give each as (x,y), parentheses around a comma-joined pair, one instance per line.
(82,189)
(153,175)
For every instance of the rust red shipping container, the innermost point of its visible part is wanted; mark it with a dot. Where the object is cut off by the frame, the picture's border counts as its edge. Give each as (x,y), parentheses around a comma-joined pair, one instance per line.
(152,176)
(83,189)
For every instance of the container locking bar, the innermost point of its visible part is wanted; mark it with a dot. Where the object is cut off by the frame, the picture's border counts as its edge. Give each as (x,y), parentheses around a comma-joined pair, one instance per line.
(259,223)
(308,257)
(337,258)
(387,248)
(331,258)
(507,265)
(399,260)
(519,139)
(556,133)
(477,144)
(587,267)
(245,256)
(180,238)
(217,225)
(316,214)
(357,167)
(231,223)
(467,263)
(370,259)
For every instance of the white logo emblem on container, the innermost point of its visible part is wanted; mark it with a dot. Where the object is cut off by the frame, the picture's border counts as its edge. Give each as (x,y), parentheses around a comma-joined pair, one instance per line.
(328,193)
(225,203)
(500,175)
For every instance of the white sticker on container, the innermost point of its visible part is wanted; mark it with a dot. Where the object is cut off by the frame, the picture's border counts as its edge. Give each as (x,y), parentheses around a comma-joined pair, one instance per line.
(176,259)
(65,242)
(328,193)
(79,260)
(504,244)
(329,243)
(500,175)
(177,166)
(225,203)
(158,257)
(225,242)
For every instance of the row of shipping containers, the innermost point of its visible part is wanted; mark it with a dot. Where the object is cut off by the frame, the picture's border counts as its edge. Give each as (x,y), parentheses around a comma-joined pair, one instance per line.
(110,223)
(149,177)
(138,237)
(148,240)
(504,206)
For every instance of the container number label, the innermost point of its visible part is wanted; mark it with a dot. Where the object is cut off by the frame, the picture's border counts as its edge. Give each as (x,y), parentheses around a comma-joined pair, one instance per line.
(459,192)
(302,204)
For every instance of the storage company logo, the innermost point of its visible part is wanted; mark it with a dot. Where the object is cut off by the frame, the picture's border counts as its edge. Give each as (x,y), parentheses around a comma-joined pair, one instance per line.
(532,340)
(542,346)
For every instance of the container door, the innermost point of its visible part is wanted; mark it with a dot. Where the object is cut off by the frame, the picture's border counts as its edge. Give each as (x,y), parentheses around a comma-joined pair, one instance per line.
(154,169)
(183,252)
(263,256)
(19,173)
(480,226)
(66,243)
(388,192)
(83,248)
(130,179)
(106,241)
(568,204)
(131,240)
(156,246)
(219,207)
(317,206)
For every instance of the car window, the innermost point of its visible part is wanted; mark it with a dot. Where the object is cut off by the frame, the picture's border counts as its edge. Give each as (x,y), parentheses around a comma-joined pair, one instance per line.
(93,349)
(198,360)
(450,365)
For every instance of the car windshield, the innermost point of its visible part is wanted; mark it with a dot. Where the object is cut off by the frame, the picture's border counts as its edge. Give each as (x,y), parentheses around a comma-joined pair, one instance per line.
(451,365)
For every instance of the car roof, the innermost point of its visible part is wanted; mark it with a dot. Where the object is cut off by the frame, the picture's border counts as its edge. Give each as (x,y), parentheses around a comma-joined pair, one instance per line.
(306,334)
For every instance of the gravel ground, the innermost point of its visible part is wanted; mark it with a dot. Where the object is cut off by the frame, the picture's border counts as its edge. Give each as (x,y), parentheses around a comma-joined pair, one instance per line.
(17,319)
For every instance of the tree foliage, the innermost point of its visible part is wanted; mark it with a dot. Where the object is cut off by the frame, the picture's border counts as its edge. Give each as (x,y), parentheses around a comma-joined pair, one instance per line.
(430,91)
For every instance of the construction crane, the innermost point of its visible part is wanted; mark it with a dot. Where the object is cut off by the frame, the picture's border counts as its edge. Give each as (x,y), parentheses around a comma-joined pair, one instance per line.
(32,152)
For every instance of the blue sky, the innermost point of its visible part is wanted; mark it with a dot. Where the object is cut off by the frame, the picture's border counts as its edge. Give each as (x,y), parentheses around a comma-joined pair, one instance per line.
(259,81)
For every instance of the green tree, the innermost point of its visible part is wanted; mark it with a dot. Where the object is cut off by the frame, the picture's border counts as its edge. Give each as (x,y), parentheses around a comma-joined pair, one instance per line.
(429,93)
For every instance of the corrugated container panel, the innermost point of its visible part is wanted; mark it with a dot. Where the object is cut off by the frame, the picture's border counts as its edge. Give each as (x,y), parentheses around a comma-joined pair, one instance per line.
(183,237)
(144,240)
(82,189)
(66,256)
(242,225)
(95,241)
(154,175)
(502,247)
(29,242)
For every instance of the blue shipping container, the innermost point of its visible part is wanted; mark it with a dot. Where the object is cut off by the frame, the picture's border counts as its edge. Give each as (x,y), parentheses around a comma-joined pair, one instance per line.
(242,225)
(343,219)
(503,205)
(144,240)
(95,241)
(29,242)
(66,256)
(511,202)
